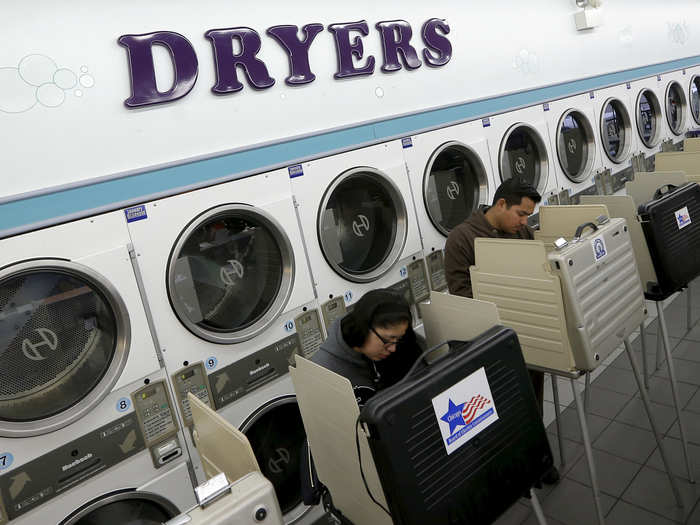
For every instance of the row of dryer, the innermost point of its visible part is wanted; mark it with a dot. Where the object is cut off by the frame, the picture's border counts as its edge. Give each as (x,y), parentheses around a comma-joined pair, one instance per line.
(107,323)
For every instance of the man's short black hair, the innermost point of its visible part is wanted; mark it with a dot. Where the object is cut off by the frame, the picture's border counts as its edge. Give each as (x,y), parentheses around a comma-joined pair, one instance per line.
(513,190)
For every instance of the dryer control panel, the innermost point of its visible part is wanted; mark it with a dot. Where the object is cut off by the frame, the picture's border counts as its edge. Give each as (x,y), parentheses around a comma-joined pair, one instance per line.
(40,480)
(191,379)
(156,416)
(436,268)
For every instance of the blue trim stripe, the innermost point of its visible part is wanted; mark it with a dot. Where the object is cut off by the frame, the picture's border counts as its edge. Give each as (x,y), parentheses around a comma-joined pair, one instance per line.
(139,187)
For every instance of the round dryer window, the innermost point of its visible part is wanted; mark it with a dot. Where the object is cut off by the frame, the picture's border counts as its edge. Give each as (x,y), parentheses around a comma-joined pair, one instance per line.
(120,508)
(675,107)
(523,154)
(695,98)
(648,111)
(230,273)
(615,130)
(454,185)
(276,434)
(362,224)
(575,146)
(64,339)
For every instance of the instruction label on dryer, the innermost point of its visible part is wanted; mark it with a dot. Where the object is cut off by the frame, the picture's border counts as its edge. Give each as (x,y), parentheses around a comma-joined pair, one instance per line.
(309,331)
(34,483)
(191,379)
(436,269)
(404,288)
(419,281)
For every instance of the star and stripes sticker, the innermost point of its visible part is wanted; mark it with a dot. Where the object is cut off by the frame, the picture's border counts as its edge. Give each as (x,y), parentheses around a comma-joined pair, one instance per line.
(463,414)
(462,421)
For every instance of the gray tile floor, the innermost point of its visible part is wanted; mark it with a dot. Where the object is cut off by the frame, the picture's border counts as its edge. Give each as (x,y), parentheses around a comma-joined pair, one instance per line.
(633,483)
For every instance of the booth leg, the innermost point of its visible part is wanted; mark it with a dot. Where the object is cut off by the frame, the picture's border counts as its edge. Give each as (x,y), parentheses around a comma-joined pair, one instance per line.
(537,508)
(663,332)
(589,451)
(689,307)
(557,417)
(655,430)
(587,393)
(645,365)
(658,341)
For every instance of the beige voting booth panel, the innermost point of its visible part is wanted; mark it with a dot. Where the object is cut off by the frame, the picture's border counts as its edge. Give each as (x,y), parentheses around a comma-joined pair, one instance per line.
(623,206)
(645,184)
(687,162)
(454,318)
(515,276)
(329,410)
(691,145)
(221,447)
(562,221)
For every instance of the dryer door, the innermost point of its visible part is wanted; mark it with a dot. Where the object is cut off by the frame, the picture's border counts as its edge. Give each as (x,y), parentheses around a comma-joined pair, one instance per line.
(648,115)
(230,273)
(276,434)
(120,508)
(615,130)
(524,154)
(675,107)
(694,95)
(575,145)
(454,185)
(64,340)
(362,224)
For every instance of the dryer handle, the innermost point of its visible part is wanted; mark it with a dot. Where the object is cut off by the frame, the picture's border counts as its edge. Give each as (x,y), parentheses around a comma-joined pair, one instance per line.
(579,230)
(660,193)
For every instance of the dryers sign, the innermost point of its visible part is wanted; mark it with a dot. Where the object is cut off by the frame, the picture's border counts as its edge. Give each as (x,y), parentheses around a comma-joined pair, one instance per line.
(239,46)
(464,410)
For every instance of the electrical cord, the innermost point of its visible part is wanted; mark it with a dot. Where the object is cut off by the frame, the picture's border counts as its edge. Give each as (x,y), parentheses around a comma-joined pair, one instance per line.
(362,473)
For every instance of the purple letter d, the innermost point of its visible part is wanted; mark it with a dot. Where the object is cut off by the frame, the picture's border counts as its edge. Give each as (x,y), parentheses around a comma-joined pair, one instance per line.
(143,76)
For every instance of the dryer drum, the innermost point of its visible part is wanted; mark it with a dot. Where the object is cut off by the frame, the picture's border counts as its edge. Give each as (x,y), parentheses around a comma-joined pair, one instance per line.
(230,273)
(127,507)
(454,185)
(362,224)
(694,92)
(64,336)
(615,130)
(648,111)
(575,145)
(675,107)
(276,434)
(524,154)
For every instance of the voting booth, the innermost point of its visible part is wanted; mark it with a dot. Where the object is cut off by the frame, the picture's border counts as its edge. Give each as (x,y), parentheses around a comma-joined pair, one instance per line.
(572,302)
(430,449)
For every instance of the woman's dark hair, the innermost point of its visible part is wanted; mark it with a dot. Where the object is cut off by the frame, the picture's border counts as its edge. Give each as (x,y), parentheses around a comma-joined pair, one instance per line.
(379,308)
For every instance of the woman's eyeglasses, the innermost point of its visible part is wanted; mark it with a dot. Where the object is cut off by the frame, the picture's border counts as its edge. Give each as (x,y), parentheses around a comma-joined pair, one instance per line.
(388,340)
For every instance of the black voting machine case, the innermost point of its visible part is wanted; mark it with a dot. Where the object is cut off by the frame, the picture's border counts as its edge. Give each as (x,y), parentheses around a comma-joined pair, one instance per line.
(671,224)
(481,479)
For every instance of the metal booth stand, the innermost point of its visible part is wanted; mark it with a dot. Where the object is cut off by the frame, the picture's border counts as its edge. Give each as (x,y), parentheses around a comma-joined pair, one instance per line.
(558,313)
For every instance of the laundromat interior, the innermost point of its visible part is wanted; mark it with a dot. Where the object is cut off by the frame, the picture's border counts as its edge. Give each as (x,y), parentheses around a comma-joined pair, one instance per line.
(194,195)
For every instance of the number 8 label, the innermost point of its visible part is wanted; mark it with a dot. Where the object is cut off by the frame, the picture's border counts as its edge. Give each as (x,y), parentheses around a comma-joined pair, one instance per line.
(123,404)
